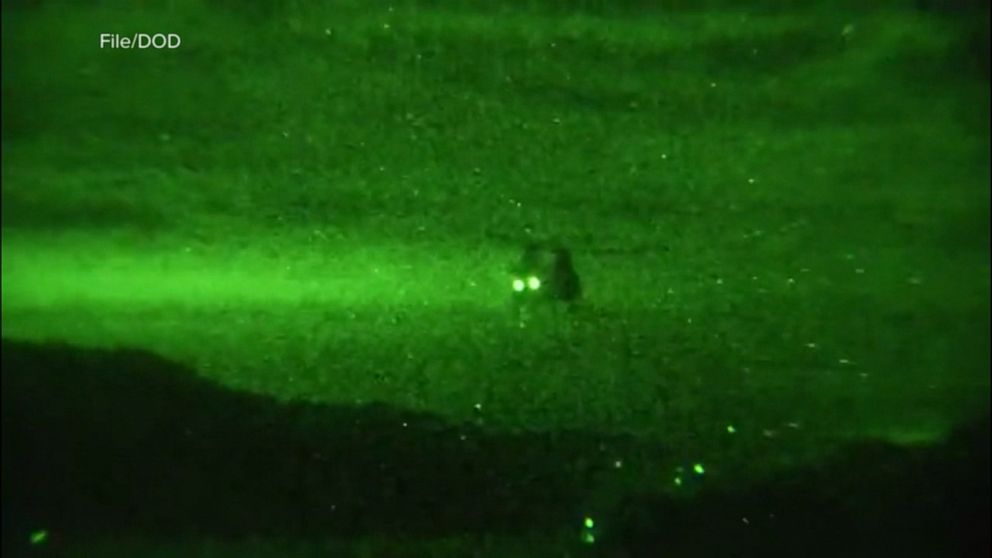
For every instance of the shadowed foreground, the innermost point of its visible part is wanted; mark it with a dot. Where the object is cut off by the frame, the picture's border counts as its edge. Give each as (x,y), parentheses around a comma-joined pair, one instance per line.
(99,439)
(98,443)
(873,499)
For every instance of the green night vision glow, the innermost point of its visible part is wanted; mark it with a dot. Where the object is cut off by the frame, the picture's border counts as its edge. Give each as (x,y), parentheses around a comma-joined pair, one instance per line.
(678,481)
(731,429)
(698,468)
(533,283)
(589,523)
(519,285)
(39,536)
(588,537)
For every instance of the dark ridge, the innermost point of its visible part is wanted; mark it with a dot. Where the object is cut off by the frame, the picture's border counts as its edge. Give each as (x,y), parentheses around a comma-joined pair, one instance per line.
(872,499)
(98,441)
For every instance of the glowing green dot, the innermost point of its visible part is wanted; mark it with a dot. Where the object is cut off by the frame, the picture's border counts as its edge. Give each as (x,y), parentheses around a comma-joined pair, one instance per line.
(589,523)
(518,285)
(731,429)
(698,468)
(39,536)
(588,537)
(678,481)
(534,283)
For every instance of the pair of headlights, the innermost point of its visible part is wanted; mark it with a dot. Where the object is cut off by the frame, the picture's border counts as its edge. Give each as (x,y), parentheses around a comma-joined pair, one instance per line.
(521,285)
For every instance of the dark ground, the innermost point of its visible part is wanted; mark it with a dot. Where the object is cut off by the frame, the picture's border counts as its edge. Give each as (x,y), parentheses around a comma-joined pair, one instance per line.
(103,442)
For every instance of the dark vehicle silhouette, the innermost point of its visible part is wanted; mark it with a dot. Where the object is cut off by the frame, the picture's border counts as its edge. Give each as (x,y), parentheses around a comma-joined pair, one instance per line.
(544,281)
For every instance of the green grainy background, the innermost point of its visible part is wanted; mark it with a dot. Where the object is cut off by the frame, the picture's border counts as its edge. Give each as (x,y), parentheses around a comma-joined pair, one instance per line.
(780,210)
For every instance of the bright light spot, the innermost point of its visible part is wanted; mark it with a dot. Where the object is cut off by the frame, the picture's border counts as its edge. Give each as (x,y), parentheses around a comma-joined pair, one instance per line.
(588,537)
(811,345)
(534,283)
(39,536)
(750,181)
(618,464)
(731,429)
(478,406)
(678,481)
(859,271)
(589,523)
(698,468)
(843,361)
(518,285)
